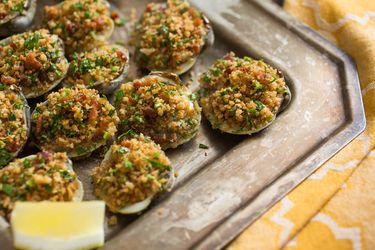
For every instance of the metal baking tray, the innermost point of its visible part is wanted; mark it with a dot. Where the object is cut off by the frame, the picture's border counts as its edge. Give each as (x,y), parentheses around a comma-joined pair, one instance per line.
(221,190)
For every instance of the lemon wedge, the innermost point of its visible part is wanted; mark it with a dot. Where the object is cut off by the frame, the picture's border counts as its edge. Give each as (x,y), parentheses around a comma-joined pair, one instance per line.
(58,225)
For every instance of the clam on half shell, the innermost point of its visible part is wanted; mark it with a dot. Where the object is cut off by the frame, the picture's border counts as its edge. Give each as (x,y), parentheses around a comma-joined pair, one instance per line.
(141,205)
(99,38)
(104,86)
(18,21)
(286,98)
(208,42)
(78,195)
(155,125)
(77,151)
(26,117)
(33,93)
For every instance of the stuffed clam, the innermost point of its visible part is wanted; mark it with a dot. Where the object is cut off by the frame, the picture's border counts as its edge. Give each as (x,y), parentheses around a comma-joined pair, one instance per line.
(14,122)
(133,171)
(170,36)
(159,106)
(16,16)
(242,95)
(41,177)
(81,24)
(34,61)
(104,68)
(76,121)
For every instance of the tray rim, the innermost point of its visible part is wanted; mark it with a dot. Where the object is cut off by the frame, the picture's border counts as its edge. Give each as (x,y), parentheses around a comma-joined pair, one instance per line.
(241,219)
(354,124)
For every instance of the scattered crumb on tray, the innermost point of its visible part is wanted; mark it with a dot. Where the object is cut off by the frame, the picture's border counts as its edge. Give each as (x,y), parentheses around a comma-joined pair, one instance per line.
(112,221)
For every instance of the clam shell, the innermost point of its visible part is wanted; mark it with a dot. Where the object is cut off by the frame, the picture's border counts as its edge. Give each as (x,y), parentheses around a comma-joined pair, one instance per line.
(52,85)
(142,205)
(19,22)
(26,118)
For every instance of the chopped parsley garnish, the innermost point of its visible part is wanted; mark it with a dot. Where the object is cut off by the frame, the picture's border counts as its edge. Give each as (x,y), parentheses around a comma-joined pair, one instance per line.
(111,112)
(8,189)
(259,104)
(107,135)
(26,163)
(5,157)
(258,86)
(203,146)
(128,164)
(32,41)
(158,164)
(119,94)
(121,21)
(12,116)
(206,78)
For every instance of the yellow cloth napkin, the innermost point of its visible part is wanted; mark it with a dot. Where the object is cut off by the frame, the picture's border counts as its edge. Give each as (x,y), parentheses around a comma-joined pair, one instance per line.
(335,207)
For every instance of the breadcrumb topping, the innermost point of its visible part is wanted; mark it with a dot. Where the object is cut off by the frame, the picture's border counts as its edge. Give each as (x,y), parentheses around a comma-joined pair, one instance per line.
(76,121)
(101,65)
(13,127)
(33,60)
(44,176)
(158,108)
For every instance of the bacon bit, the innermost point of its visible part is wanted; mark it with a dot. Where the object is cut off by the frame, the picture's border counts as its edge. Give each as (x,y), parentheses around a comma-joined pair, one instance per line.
(196,49)
(51,11)
(121,55)
(8,80)
(125,143)
(261,76)
(198,22)
(46,155)
(149,113)
(31,62)
(245,69)
(39,124)
(100,22)
(192,12)
(228,71)
(137,84)
(149,8)
(1,49)
(13,45)
(70,26)
(13,147)
(94,111)
(114,15)
(81,97)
